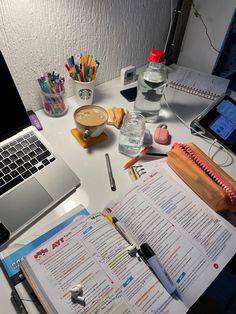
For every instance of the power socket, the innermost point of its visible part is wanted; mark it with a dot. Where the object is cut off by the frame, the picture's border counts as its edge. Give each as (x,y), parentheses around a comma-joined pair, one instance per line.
(128,75)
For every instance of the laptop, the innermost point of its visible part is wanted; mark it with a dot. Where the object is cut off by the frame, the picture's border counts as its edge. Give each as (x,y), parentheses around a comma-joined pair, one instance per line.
(33,177)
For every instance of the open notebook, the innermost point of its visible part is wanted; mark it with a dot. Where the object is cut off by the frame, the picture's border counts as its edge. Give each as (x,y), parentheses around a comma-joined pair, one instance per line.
(197,83)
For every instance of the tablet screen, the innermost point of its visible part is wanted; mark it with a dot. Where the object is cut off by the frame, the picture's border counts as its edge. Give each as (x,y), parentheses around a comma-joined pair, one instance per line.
(220,121)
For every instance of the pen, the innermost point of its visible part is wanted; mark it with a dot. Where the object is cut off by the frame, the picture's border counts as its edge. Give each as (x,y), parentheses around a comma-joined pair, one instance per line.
(132,161)
(111,178)
(148,254)
(156,154)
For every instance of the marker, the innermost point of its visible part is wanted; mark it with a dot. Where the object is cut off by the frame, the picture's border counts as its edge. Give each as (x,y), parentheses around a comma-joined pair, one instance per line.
(153,262)
(111,178)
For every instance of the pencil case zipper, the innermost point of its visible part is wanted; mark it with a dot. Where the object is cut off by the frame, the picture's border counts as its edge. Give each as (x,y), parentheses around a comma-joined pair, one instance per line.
(208,169)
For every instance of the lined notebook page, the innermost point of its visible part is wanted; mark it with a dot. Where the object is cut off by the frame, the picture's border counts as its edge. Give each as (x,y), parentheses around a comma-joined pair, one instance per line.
(196,82)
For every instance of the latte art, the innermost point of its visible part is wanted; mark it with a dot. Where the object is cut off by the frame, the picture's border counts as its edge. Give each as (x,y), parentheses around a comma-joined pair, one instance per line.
(90,117)
(90,120)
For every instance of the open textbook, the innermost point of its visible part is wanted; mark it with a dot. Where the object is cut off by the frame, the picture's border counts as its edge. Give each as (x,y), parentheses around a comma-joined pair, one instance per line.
(11,257)
(92,253)
(192,242)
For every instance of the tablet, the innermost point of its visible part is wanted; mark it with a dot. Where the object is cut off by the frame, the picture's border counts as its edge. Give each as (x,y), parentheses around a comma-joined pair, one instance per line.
(218,121)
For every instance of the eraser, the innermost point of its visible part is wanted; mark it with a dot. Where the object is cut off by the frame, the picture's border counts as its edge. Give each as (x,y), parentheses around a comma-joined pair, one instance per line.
(128,75)
(161,136)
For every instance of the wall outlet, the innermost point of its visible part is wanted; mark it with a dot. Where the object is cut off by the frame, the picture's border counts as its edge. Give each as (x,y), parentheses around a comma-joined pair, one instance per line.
(128,75)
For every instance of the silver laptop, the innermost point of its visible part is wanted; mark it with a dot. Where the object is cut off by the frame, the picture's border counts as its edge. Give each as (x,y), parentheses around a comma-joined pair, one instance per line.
(33,177)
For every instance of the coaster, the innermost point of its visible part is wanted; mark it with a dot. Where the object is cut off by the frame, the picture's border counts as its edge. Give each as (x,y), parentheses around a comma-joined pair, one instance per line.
(94,140)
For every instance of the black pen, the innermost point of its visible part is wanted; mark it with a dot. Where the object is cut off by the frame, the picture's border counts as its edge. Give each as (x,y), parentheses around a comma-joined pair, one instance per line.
(156,154)
(111,178)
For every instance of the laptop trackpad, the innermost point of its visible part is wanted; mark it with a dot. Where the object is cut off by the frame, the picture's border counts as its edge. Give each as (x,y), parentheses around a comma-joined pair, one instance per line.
(23,203)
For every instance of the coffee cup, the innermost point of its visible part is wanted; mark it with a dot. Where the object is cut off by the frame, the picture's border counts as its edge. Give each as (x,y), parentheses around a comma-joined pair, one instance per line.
(90,120)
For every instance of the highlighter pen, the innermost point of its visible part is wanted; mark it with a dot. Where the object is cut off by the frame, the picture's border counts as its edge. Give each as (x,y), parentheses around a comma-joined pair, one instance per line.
(148,254)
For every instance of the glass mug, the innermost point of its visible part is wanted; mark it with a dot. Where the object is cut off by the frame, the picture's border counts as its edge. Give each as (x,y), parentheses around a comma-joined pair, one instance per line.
(132,134)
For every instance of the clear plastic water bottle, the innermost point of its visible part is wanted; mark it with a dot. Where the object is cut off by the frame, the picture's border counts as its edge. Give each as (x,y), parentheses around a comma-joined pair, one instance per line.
(151,85)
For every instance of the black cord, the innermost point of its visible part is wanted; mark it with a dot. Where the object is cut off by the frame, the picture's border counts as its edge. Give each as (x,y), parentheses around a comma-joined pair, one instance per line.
(197,14)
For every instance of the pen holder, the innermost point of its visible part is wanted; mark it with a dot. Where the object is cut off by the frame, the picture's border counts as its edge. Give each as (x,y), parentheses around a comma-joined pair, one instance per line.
(84,92)
(54,104)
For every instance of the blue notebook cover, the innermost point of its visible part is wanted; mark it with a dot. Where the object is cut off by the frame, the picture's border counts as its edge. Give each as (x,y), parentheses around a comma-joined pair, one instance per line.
(11,262)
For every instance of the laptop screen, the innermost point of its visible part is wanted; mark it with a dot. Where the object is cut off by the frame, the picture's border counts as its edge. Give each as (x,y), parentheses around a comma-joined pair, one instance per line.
(13,117)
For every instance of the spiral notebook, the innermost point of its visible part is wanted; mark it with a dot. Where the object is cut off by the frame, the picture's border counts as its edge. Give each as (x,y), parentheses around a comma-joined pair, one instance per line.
(197,83)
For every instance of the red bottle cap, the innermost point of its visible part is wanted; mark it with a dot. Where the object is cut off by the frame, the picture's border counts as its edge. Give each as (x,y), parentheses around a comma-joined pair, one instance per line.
(156,56)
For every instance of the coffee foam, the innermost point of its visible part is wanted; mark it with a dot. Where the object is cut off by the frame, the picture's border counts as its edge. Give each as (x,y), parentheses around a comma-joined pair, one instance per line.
(90,117)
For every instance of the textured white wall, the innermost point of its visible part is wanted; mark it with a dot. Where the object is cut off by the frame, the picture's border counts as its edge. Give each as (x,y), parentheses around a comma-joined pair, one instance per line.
(41,34)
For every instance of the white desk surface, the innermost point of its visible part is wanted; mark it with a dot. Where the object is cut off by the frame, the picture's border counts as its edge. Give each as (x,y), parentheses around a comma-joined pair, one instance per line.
(90,164)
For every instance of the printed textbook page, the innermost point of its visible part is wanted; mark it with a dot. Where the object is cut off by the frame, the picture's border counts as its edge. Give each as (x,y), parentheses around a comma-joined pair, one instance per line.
(11,257)
(92,253)
(192,242)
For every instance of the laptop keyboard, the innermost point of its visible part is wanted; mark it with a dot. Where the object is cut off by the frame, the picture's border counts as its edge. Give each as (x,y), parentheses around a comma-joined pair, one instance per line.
(22,158)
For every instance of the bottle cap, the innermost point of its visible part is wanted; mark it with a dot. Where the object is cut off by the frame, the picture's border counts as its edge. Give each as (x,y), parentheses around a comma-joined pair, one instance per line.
(156,56)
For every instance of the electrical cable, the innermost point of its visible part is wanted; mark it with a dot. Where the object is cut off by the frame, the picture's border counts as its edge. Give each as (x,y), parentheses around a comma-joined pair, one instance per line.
(220,147)
(229,159)
(171,22)
(197,14)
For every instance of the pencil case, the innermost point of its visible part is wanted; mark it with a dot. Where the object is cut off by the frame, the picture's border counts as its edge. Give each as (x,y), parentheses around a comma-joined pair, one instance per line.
(203,176)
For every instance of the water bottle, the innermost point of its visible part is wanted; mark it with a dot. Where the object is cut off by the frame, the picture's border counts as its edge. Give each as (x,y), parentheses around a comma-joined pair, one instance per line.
(151,85)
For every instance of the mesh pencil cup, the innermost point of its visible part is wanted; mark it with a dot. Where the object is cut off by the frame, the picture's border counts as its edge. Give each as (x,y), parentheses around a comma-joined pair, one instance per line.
(54,104)
(84,92)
